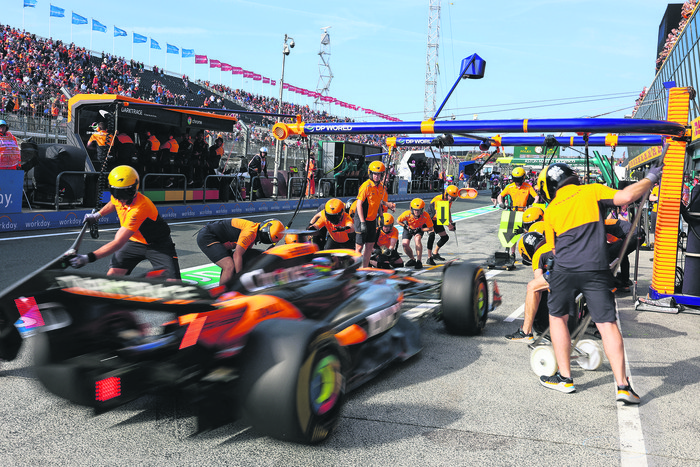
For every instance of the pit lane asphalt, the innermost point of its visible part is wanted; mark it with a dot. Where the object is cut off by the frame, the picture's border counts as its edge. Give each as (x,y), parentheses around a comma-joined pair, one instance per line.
(461,401)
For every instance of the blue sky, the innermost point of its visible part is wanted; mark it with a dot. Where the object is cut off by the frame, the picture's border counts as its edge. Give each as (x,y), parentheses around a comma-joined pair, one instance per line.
(536,51)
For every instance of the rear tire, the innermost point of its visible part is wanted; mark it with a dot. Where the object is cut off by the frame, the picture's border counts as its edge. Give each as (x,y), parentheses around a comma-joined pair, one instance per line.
(465,299)
(292,381)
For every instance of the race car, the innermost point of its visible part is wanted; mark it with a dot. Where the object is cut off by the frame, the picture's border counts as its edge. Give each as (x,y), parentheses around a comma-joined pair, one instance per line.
(280,349)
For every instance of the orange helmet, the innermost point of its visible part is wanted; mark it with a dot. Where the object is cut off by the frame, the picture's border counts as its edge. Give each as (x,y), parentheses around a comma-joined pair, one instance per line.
(417,206)
(271,231)
(377,167)
(528,245)
(334,210)
(388,219)
(452,191)
(292,238)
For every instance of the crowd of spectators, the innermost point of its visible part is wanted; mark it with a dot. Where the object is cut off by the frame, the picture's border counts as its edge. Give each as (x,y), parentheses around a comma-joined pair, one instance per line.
(686,13)
(34,69)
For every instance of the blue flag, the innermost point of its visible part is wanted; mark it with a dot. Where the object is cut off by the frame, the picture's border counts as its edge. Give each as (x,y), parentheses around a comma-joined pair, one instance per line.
(29,4)
(139,39)
(97,26)
(77,19)
(187,53)
(57,12)
(119,32)
(171,49)
(154,44)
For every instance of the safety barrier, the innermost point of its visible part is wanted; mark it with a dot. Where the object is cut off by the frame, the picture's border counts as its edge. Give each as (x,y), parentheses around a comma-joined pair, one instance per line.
(158,175)
(326,192)
(57,195)
(235,179)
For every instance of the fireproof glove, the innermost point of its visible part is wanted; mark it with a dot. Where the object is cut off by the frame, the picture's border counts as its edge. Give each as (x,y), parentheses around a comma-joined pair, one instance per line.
(79,261)
(654,174)
(91,219)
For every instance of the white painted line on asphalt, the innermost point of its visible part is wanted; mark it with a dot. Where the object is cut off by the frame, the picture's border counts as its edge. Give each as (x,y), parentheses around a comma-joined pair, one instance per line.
(422,309)
(493,273)
(633,451)
(516,314)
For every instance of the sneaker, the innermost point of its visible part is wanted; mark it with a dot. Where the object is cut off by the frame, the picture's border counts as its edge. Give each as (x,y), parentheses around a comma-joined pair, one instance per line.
(520,336)
(431,261)
(438,257)
(418,265)
(627,395)
(558,383)
(410,263)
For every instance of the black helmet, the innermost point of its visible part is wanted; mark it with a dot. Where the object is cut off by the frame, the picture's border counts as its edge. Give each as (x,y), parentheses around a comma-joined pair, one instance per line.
(552,178)
(528,245)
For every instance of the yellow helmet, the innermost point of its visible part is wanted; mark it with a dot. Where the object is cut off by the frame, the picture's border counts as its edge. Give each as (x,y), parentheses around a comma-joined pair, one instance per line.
(123,183)
(518,172)
(376,167)
(537,227)
(452,191)
(528,245)
(271,231)
(532,215)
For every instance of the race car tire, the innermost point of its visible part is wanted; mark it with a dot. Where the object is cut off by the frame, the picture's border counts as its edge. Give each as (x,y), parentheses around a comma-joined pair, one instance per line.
(465,299)
(292,381)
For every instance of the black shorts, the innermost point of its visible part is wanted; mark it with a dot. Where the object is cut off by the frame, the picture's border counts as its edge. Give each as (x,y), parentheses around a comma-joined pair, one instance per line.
(370,236)
(333,245)
(211,245)
(596,287)
(437,228)
(409,234)
(161,256)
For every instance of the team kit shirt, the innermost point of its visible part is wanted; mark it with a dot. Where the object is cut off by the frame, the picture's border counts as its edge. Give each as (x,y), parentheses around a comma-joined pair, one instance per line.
(541,256)
(578,234)
(142,218)
(384,240)
(337,236)
(519,196)
(371,197)
(234,232)
(415,223)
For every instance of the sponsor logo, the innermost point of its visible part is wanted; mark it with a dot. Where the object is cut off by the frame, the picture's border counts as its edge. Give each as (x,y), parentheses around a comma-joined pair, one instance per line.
(189,212)
(71,219)
(382,320)
(169,214)
(37,221)
(129,110)
(206,210)
(222,209)
(329,128)
(258,279)
(7,224)
(124,289)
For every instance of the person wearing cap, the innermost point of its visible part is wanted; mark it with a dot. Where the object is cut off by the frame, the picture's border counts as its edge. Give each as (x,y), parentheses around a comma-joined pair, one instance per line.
(10,156)
(143,234)
(257,167)
(575,229)
(227,243)
(519,190)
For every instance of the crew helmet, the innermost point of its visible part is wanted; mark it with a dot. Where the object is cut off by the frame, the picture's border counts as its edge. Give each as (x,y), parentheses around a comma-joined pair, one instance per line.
(551,179)
(334,210)
(528,245)
(271,231)
(452,191)
(388,220)
(417,206)
(518,174)
(532,215)
(537,227)
(3,122)
(263,150)
(376,167)
(123,183)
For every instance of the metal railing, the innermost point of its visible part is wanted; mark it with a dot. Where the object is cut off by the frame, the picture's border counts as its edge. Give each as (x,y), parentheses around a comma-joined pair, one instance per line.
(234,179)
(57,193)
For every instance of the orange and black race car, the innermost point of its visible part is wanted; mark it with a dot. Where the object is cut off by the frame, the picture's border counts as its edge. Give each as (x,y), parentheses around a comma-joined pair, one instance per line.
(299,329)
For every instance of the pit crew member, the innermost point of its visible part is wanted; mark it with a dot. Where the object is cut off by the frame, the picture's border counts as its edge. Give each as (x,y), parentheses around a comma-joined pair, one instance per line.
(370,200)
(415,223)
(450,194)
(385,255)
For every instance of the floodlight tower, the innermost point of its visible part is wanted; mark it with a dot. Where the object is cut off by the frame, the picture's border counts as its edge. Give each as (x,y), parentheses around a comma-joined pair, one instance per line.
(431,68)
(325,75)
